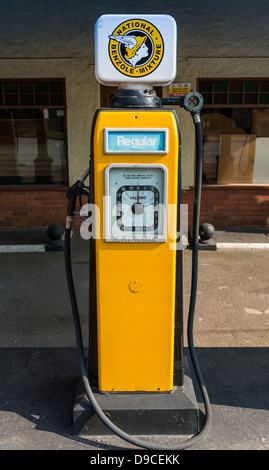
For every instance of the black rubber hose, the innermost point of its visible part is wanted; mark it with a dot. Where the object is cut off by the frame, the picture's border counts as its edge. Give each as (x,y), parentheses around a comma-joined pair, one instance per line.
(195,235)
(119,432)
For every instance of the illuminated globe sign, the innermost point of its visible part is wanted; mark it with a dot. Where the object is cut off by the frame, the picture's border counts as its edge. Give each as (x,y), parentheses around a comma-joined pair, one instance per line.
(138,48)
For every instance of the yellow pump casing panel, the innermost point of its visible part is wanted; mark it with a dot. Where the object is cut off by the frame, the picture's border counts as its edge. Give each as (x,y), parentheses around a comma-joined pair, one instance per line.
(135,281)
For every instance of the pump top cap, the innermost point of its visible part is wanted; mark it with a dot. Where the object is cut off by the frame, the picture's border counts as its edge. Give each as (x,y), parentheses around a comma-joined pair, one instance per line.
(139,49)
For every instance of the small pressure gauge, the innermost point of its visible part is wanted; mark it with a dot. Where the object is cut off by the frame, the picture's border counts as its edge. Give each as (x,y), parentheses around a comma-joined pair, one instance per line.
(193,102)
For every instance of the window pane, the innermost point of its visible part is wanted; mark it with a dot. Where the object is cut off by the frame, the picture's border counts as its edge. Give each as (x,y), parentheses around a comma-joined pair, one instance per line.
(251,98)
(41,87)
(207,98)
(32,139)
(11,100)
(32,146)
(264,85)
(236,138)
(236,86)
(236,158)
(264,98)
(251,86)
(42,100)
(10,87)
(56,99)
(26,100)
(220,86)
(235,98)
(220,98)
(260,123)
(205,86)
(236,142)
(56,87)
(26,87)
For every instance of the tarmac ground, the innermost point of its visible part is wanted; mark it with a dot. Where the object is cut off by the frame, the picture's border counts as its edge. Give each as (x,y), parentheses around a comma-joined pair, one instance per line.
(39,364)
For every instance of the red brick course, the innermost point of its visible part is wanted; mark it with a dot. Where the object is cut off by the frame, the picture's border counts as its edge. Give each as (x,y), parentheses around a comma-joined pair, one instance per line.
(231,206)
(223,207)
(32,208)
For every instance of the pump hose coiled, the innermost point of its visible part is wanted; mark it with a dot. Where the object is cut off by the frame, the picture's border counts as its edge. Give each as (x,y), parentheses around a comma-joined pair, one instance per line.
(119,432)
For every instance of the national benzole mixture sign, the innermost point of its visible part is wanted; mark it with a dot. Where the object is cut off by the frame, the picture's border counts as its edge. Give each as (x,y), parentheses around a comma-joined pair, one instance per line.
(137,48)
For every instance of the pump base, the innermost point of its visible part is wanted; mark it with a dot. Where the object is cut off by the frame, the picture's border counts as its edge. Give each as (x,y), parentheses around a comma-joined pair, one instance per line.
(141,413)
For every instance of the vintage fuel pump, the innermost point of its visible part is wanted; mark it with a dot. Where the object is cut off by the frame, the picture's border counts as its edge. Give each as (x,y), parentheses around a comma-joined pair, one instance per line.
(136,365)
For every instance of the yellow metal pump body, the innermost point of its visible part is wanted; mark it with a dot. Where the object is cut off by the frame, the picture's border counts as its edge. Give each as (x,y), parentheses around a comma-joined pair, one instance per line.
(136,280)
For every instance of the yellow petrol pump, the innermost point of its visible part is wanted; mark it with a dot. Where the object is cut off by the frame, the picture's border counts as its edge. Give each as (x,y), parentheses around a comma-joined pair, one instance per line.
(136,364)
(135,267)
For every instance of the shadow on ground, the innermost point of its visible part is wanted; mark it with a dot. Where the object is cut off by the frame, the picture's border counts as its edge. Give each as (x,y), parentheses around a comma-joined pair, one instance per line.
(40,384)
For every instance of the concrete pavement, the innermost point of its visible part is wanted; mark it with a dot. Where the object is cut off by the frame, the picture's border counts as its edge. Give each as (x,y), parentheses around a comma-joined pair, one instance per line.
(39,365)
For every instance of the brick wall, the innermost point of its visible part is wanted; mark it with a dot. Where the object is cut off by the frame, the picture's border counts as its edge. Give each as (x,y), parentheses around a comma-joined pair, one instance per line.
(232,206)
(223,207)
(32,208)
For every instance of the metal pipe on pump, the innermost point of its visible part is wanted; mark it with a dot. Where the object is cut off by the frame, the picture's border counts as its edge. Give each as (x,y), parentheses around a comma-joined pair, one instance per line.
(135,165)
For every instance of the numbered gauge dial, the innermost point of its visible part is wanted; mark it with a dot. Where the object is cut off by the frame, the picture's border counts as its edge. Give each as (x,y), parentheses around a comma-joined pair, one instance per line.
(136,202)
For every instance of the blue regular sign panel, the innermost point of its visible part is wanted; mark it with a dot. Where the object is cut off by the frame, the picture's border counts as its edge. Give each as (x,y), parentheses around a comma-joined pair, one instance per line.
(136,141)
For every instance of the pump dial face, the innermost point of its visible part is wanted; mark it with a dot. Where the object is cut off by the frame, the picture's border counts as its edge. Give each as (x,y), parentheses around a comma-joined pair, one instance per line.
(137,208)
(136,205)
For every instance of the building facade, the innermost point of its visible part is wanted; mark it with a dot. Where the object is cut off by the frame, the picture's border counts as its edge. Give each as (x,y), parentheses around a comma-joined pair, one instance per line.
(49,93)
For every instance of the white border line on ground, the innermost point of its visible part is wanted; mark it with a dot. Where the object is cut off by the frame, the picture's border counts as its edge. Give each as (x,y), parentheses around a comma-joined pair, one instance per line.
(21,248)
(243,246)
(220,246)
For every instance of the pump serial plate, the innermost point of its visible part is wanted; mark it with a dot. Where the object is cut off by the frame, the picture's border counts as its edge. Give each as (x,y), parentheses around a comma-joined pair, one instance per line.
(135,203)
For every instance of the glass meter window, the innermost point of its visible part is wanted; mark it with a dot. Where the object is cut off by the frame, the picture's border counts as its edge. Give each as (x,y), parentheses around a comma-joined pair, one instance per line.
(136,200)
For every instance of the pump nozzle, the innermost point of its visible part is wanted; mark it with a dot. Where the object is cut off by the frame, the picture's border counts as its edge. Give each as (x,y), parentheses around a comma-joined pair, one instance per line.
(75,191)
